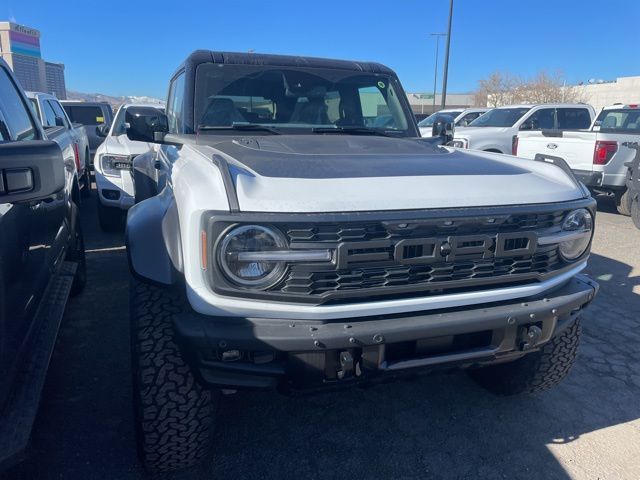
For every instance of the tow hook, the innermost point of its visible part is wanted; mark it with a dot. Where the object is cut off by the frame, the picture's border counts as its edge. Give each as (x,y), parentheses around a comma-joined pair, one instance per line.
(530,337)
(347,366)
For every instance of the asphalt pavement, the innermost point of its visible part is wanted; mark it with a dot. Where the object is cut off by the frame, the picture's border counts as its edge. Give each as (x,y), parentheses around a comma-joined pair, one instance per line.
(441,427)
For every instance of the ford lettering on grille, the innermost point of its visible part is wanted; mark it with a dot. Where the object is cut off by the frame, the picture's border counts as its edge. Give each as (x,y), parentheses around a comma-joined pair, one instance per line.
(414,251)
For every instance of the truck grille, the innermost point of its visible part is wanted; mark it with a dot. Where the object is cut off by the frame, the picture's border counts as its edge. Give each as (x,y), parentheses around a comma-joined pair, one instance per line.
(381,272)
(304,282)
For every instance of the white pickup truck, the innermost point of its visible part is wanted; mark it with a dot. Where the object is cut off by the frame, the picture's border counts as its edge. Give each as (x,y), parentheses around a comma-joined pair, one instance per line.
(495,130)
(72,137)
(597,156)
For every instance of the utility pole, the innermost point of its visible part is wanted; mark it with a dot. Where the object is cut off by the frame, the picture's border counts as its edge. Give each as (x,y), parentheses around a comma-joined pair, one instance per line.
(446,57)
(435,75)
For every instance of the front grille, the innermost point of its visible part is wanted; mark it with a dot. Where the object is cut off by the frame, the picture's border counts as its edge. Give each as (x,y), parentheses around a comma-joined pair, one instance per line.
(374,267)
(304,282)
(335,233)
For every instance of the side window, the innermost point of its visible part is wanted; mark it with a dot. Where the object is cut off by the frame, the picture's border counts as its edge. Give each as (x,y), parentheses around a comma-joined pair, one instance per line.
(467,119)
(59,111)
(48,114)
(17,123)
(375,110)
(542,119)
(175,104)
(573,118)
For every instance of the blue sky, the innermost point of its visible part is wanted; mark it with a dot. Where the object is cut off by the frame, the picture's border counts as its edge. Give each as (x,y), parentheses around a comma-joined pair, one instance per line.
(131,48)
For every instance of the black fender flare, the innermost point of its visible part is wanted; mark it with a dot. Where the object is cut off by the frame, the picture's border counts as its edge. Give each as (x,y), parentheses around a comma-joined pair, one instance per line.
(152,237)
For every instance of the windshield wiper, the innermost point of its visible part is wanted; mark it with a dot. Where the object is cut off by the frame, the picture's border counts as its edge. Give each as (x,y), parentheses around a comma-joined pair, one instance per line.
(358,131)
(241,126)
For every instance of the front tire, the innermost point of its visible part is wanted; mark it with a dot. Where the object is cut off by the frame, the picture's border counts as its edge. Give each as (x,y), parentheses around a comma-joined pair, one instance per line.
(174,414)
(76,254)
(535,372)
(86,188)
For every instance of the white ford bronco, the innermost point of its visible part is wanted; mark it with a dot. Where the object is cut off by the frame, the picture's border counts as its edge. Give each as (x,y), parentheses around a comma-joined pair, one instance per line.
(282,239)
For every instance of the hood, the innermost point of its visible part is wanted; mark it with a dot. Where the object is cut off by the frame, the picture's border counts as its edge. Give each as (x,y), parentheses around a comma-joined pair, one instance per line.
(344,173)
(121,145)
(482,132)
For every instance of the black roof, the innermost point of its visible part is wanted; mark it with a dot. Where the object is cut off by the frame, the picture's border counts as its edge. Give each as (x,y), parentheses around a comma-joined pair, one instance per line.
(242,58)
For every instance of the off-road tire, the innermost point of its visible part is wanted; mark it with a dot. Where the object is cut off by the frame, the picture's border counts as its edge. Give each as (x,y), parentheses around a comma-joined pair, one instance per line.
(174,414)
(623,203)
(110,218)
(76,253)
(537,371)
(635,212)
(86,188)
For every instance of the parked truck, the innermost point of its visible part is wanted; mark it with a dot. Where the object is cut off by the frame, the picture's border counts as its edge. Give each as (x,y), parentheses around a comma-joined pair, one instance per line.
(278,242)
(598,156)
(96,117)
(113,167)
(495,130)
(42,259)
(71,137)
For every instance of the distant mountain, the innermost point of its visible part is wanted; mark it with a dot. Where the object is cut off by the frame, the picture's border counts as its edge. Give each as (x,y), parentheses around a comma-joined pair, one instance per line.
(114,101)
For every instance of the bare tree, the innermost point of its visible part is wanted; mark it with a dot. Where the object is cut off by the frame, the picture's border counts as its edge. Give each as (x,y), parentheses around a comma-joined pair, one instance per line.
(503,89)
(497,89)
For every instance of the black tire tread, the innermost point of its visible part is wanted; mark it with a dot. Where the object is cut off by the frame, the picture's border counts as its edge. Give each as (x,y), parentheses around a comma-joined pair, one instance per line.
(635,213)
(537,371)
(174,414)
(623,204)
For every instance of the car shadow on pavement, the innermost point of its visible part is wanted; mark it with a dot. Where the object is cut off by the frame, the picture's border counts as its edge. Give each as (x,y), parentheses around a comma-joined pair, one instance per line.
(442,426)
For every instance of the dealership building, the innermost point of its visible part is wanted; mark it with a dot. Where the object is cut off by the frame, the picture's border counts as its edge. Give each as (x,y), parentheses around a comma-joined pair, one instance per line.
(20,48)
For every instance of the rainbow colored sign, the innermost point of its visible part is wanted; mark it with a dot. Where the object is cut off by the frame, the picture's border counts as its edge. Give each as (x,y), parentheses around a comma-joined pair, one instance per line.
(24,44)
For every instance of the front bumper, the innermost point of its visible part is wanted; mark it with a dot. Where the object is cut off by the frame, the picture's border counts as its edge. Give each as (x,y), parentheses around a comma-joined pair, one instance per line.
(122,186)
(300,355)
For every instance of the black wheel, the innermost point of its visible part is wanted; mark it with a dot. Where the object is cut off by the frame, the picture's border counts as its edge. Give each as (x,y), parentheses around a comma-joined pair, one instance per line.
(536,371)
(110,218)
(623,203)
(76,254)
(174,414)
(635,212)
(86,184)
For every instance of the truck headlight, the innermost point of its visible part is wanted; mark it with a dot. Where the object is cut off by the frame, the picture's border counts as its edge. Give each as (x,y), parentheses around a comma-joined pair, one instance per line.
(578,228)
(112,165)
(459,143)
(251,270)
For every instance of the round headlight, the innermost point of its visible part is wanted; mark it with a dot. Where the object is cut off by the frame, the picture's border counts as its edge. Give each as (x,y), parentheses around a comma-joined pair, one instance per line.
(578,221)
(251,273)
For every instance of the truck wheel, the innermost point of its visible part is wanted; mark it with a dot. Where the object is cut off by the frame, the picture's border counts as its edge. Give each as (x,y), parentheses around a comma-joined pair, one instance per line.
(623,203)
(635,212)
(174,414)
(76,254)
(86,190)
(536,371)
(110,218)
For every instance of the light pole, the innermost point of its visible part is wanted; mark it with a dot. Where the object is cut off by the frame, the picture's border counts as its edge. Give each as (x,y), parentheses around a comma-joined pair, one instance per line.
(446,57)
(435,74)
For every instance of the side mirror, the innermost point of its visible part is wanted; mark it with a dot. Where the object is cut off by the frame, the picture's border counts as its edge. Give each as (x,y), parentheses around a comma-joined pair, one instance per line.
(146,124)
(102,130)
(443,128)
(30,170)
(528,125)
(59,122)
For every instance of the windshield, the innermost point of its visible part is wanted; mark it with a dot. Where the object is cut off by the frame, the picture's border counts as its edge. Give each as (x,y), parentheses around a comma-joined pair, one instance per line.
(297,100)
(431,119)
(500,117)
(85,114)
